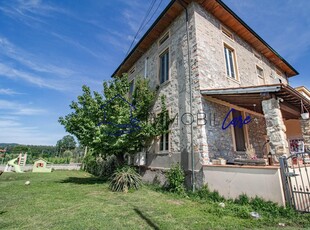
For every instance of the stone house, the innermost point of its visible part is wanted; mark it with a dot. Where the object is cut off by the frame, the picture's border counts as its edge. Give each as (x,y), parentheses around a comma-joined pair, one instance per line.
(207,61)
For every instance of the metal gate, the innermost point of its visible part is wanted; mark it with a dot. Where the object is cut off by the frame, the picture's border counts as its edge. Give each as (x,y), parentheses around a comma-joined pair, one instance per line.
(295,175)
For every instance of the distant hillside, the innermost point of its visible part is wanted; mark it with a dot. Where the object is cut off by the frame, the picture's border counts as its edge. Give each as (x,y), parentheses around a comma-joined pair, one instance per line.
(3,145)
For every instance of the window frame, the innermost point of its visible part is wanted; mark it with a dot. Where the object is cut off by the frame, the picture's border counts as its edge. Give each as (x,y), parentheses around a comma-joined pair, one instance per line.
(262,70)
(167,76)
(227,32)
(146,65)
(166,137)
(130,92)
(234,62)
(164,38)
(245,131)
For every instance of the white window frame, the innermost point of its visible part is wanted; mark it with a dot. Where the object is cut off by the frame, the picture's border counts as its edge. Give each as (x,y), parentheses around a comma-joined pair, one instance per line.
(228,68)
(257,71)
(165,137)
(227,32)
(146,63)
(167,78)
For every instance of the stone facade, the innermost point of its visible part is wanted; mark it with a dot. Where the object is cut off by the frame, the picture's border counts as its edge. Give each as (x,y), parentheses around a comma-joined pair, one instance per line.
(305,128)
(208,71)
(211,61)
(275,127)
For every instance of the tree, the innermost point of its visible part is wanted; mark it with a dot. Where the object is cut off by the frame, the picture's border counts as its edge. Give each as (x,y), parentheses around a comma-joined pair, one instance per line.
(66,143)
(116,122)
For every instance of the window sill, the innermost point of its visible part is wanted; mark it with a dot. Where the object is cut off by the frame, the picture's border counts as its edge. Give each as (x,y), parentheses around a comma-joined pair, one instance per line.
(163,153)
(234,80)
(164,84)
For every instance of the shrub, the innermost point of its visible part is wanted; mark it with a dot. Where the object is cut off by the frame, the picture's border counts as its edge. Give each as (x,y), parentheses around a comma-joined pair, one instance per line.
(176,178)
(99,166)
(205,194)
(125,178)
(243,199)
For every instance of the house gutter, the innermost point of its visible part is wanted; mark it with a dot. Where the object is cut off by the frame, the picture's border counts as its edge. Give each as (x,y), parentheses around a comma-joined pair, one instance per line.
(183,4)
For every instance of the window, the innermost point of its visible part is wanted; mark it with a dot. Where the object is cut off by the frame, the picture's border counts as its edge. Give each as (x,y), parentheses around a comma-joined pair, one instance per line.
(279,73)
(163,39)
(132,70)
(145,67)
(164,67)
(230,62)
(227,32)
(164,142)
(257,55)
(260,71)
(131,88)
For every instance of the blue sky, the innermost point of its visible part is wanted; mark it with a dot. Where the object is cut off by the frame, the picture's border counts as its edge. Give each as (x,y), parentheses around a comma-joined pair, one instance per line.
(49,49)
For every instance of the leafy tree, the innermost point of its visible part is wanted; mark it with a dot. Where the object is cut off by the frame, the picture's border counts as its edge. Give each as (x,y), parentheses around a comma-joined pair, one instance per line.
(109,124)
(66,143)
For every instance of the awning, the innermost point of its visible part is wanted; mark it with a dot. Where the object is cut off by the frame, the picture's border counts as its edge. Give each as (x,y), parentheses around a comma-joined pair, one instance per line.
(250,98)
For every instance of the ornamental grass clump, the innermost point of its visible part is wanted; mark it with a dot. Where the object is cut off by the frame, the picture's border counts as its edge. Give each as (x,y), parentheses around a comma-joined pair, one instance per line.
(125,178)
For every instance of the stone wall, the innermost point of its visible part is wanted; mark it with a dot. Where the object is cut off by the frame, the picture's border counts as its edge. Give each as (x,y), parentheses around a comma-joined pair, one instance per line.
(207,66)
(211,58)
(275,127)
(305,128)
(257,135)
(220,142)
(176,91)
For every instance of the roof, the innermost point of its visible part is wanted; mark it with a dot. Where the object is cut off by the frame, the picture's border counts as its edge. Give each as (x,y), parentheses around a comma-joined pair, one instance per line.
(251,97)
(303,89)
(221,12)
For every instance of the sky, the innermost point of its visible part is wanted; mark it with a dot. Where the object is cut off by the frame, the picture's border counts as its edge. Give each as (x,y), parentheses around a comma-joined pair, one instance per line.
(49,49)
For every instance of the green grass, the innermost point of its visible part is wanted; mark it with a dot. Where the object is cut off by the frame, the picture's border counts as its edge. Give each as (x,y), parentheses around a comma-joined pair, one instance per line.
(76,200)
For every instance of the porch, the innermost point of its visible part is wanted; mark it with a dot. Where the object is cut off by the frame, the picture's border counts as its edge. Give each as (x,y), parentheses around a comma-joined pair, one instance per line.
(275,121)
(276,128)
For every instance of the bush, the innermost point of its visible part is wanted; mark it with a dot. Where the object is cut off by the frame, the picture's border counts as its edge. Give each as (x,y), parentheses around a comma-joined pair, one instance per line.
(124,179)
(205,194)
(176,178)
(243,199)
(99,166)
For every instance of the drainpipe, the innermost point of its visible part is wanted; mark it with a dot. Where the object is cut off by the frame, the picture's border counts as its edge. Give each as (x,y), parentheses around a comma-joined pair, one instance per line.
(182,3)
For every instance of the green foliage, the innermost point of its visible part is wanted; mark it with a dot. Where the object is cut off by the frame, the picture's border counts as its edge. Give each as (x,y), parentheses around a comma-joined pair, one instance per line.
(176,179)
(205,194)
(98,120)
(125,178)
(99,166)
(243,199)
(67,143)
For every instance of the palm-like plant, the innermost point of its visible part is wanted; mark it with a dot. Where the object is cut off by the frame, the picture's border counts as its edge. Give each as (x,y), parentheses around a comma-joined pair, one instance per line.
(124,179)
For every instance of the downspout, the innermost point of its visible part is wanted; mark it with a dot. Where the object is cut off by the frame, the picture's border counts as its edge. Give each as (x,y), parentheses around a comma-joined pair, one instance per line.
(190,93)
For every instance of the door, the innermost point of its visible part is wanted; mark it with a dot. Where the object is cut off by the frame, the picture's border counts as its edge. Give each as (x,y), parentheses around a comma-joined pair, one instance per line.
(239,133)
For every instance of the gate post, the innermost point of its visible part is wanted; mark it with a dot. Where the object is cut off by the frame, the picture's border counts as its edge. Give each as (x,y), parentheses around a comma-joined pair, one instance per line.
(285,182)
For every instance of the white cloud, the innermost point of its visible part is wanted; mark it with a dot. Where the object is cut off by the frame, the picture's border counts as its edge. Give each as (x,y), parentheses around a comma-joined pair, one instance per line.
(13,73)
(28,135)
(8,92)
(23,57)
(14,108)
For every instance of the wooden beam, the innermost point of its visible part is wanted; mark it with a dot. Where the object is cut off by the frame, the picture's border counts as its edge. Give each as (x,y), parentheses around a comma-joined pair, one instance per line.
(285,107)
(218,101)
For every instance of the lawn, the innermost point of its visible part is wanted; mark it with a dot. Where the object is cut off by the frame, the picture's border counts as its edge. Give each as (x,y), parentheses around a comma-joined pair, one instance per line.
(77,200)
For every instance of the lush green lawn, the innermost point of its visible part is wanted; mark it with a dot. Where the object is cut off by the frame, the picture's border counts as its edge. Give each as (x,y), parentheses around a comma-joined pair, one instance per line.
(76,200)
